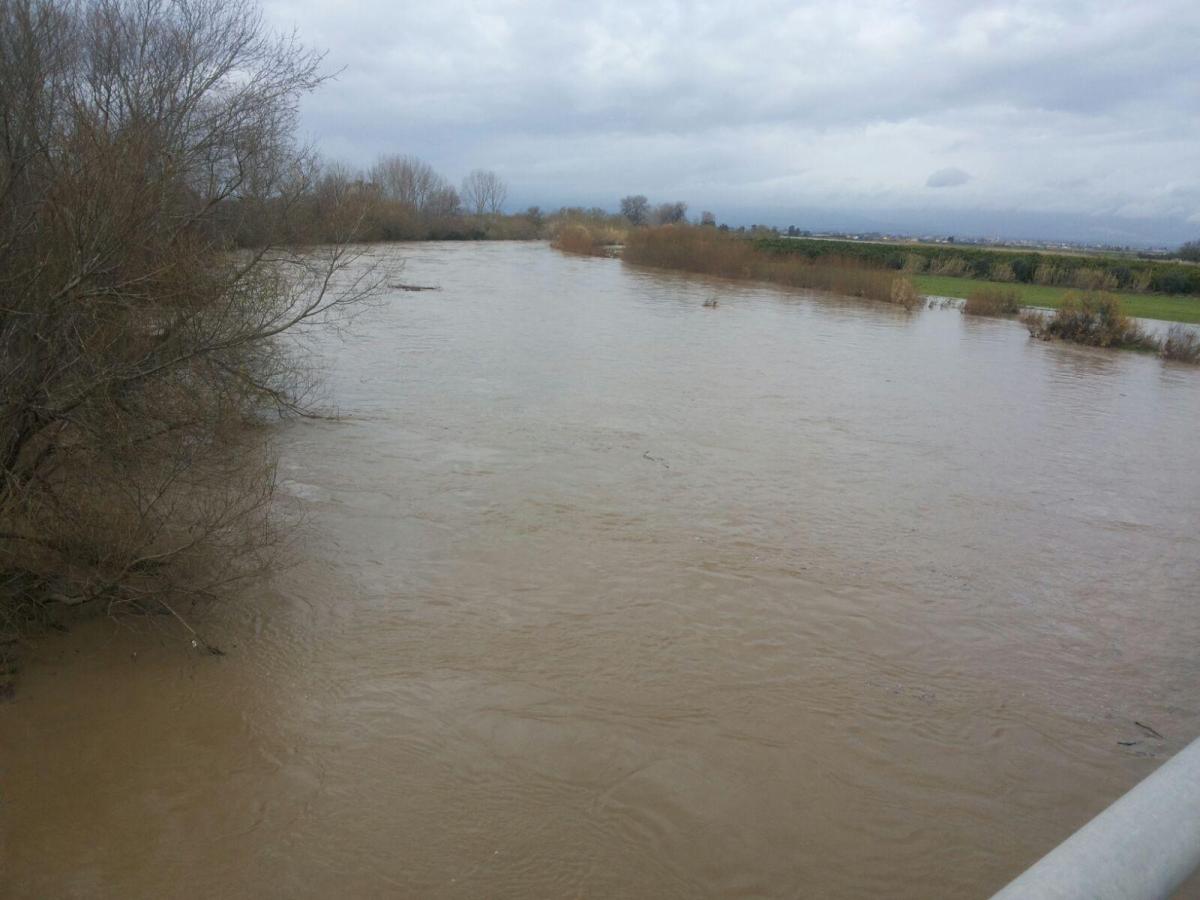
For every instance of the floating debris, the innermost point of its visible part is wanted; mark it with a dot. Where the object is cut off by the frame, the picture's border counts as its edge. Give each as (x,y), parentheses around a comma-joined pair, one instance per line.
(1150,731)
(657,459)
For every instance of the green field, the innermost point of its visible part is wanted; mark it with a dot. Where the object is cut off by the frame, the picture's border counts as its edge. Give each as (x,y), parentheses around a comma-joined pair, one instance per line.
(1171,308)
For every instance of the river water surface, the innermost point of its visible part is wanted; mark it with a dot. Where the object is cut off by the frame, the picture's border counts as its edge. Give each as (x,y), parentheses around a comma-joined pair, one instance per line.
(606,594)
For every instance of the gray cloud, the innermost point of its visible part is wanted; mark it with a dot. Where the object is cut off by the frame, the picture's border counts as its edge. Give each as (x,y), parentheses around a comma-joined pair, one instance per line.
(948,177)
(1060,107)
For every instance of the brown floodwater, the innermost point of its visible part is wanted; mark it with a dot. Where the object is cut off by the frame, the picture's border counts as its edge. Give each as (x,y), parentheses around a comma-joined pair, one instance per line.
(606,594)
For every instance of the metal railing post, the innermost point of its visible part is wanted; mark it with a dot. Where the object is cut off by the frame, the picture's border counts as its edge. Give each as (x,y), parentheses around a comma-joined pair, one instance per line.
(1143,847)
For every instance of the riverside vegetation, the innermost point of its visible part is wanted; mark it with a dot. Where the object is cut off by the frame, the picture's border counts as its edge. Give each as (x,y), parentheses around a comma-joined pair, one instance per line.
(992,301)
(152,265)
(1150,288)
(1094,318)
(708,251)
(1079,271)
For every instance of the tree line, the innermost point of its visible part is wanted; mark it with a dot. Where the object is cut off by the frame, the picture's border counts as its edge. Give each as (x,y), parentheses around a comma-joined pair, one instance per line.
(398,198)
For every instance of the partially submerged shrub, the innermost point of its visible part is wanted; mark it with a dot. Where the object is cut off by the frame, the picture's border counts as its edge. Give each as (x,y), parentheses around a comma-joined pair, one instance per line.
(574,237)
(1092,318)
(1181,344)
(993,301)
(904,293)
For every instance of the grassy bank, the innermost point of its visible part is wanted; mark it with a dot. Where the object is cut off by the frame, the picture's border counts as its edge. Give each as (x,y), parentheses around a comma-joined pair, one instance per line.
(1145,306)
(708,251)
(1083,271)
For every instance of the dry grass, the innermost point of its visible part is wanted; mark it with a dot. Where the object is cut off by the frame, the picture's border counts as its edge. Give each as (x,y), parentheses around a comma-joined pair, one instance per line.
(711,252)
(993,301)
(1093,279)
(954,266)
(1094,319)
(574,238)
(1002,272)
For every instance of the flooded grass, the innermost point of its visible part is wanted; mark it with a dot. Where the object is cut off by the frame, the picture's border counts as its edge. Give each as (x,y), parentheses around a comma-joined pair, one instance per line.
(708,251)
(1143,306)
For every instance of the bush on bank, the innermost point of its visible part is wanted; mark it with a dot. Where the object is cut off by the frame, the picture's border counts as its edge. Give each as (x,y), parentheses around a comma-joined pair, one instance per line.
(993,301)
(1094,319)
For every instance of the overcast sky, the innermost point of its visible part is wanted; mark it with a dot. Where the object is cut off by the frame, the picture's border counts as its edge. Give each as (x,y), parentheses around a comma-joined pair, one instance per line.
(1075,118)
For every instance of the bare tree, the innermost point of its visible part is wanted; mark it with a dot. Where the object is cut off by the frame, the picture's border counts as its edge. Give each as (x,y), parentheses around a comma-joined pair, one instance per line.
(636,208)
(411,182)
(484,192)
(139,349)
(670,213)
(708,218)
(442,203)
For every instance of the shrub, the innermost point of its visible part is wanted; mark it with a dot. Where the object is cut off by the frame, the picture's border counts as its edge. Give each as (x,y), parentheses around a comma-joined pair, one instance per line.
(1091,318)
(1172,281)
(904,293)
(993,301)
(1002,272)
(1025,267)
(1092,279)
(955,266)
(1181,344)
(1050,274)
(574,237)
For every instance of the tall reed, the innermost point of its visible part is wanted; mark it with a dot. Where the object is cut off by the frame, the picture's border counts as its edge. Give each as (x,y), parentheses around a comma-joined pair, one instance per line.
(711,252)
(572,238)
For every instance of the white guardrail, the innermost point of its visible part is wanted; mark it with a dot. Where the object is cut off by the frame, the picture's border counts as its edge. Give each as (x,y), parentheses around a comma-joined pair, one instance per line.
(1143,847)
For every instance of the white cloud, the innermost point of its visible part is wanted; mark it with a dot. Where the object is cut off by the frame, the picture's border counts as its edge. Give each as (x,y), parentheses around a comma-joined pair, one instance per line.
(1058,106)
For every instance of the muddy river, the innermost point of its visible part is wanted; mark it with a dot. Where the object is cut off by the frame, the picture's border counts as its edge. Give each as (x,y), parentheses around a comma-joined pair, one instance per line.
(603,593)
